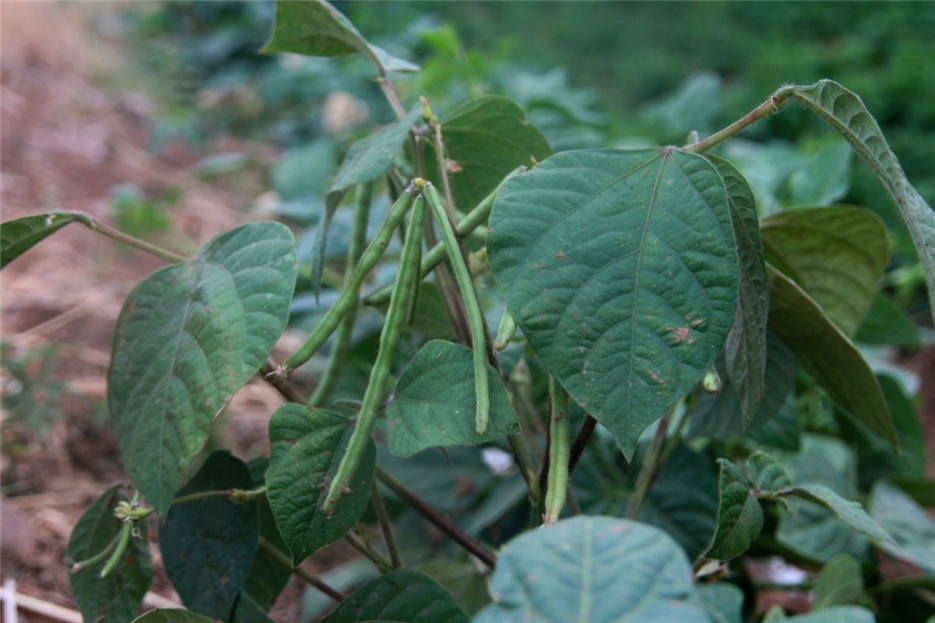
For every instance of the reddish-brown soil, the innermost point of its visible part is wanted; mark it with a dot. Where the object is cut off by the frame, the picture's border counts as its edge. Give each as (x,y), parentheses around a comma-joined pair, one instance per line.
(67,142)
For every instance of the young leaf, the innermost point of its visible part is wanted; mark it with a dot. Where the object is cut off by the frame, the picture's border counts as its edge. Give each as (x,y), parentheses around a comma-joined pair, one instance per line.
(117,597)
(402,597)
(846,113)
(366,160)
(487,138)
(434,403)
(593,569)
(740,516)
(22,234)
(315,28)
(187,338)
(620,267)
(208,545)
(828,355)
(745,350)
(836,254)
(306,449)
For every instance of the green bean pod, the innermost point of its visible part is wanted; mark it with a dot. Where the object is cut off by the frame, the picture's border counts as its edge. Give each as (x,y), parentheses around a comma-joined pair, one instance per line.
(123,537)
(475,317)
(389,337)
(436,255)
(348,297)
(505,331)
(342,338)
(559,448)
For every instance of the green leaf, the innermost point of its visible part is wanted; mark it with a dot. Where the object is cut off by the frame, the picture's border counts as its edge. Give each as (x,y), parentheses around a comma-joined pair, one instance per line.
(306,447)
(486,138)
(594,569)
(22,234)
(368,158)
(303,172)
(851,513)
(910,526)
(434,402)
(365,161)
(188,337)
(247,610)
(825,177)
(464,580)
(828,355)
(683,500)
(722,601)
(887,323)
(117,597)
(877,459)
(836,254)
(745,350)
(841,582)
(740,516)
(620,268)
(400,597)
(208,545)
(766,474)
(846,113)
(172,615)
(315,28)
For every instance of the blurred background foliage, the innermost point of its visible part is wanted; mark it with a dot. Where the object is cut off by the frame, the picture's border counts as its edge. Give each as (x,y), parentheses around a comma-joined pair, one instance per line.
(587,73)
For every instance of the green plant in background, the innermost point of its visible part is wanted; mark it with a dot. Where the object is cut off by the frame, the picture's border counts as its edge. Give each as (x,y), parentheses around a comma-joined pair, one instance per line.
(673,385)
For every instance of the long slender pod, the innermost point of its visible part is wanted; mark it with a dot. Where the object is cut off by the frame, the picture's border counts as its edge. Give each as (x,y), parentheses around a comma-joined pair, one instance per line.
(342,338)
(475,319)
(437,254)
(389,337)
(348,297)
(559,432)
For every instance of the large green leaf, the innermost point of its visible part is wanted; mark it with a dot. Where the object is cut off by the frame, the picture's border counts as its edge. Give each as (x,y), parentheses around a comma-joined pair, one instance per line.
(828,355)
(315,28)
(911,527)
(306,447)
(117,597)
(740,516)
(464,580)
(485,138)
(620,267)
(208,545)
(593,570)
(20,235)
(745,350)
(836,254)
(434,402)
(846,113)
(399,597)
(723,601)
(187,338)
(848,511)
(841,582)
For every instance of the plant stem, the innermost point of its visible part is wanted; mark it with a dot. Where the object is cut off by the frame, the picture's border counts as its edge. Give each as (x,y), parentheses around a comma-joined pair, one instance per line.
(648,468)
(342,337)
(435,127)
(390,94)
(469,296)
(581,441)
(438,520)
(385,524)
(526,469)
(284,560)
(382,564)
(95,225)
(769,106)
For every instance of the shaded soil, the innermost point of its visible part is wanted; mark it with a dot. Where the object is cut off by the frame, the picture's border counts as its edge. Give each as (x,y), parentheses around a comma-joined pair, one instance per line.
(67,142)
